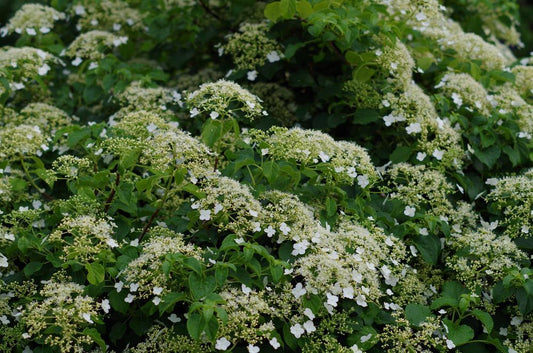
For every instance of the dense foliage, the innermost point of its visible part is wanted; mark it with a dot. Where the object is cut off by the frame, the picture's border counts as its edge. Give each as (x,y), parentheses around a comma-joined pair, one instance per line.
(297,176)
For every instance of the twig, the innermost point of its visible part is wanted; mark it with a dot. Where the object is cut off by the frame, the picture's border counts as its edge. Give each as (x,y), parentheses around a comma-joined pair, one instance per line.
(215,15)
(112,194)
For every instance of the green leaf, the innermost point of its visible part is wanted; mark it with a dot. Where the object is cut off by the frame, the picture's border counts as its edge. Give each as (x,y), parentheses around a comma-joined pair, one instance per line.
(117,301)
(95,335)
(513,154)
(270,170)
(367,334)
(429,247)
(331,207)
(365,116)
(273,11)
(140,325)
(400,154)
(211,328)
(524,301)
(417,313)
(117,331)
(212,131)
(459,334)
(488,156)
(169,300)
(32,267)
(201,286)
(485,319)
(304,8)
(95,273)
(195,325)
(287,8)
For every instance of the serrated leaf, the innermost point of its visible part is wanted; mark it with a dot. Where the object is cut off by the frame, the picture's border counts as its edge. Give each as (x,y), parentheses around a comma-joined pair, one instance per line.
(273,11)
(429,247)
(195,325)
(485,319)
(95,335)
(459,334)
(95,273)
(417,313)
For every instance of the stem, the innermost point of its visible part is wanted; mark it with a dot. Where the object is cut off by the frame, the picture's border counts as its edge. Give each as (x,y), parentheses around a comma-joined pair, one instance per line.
(112,194)
(32,182)
(154,215)
(215,15)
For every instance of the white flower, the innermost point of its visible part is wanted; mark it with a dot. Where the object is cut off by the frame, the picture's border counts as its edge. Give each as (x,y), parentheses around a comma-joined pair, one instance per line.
(43,70)
(251,75)
(309,326)
(492,181)
(298,290)
(253,213)
(332,299)
(409,211)
(218,207)
(309,313)
(323,157)
(361,300)
(413,128)
(423,231)
(87,317)
(4,320)
(31,31)
(515,321)
(285,229)
(438,154)
(93,65)
(79,10)
(77,61)
(414,252)
(3,261)
(112,243)
(421,156)
(270,231)
(355,349)
(253,349)
(134,287)
(362,180)
(205,215)
(194,112)
(442,311)
(450,344)
(274,343)
(300,248)
(264,151)
(129,298)
(273,56)
(239,240)
(105,305)
(222,344)
(297,330)
(120,41)
(117,27)
(348,292)
(27,349)
(457,99)
(366,338)
(213,115)
(174,318)
(118,286)
(151,127)
(245,289)
(420,16)
(156,300)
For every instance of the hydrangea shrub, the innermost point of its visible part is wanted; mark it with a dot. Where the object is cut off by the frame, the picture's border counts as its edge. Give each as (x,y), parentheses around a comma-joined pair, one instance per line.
(279,176)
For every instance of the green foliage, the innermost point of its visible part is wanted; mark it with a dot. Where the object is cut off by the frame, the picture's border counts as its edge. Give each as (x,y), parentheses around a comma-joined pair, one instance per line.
(314,176)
